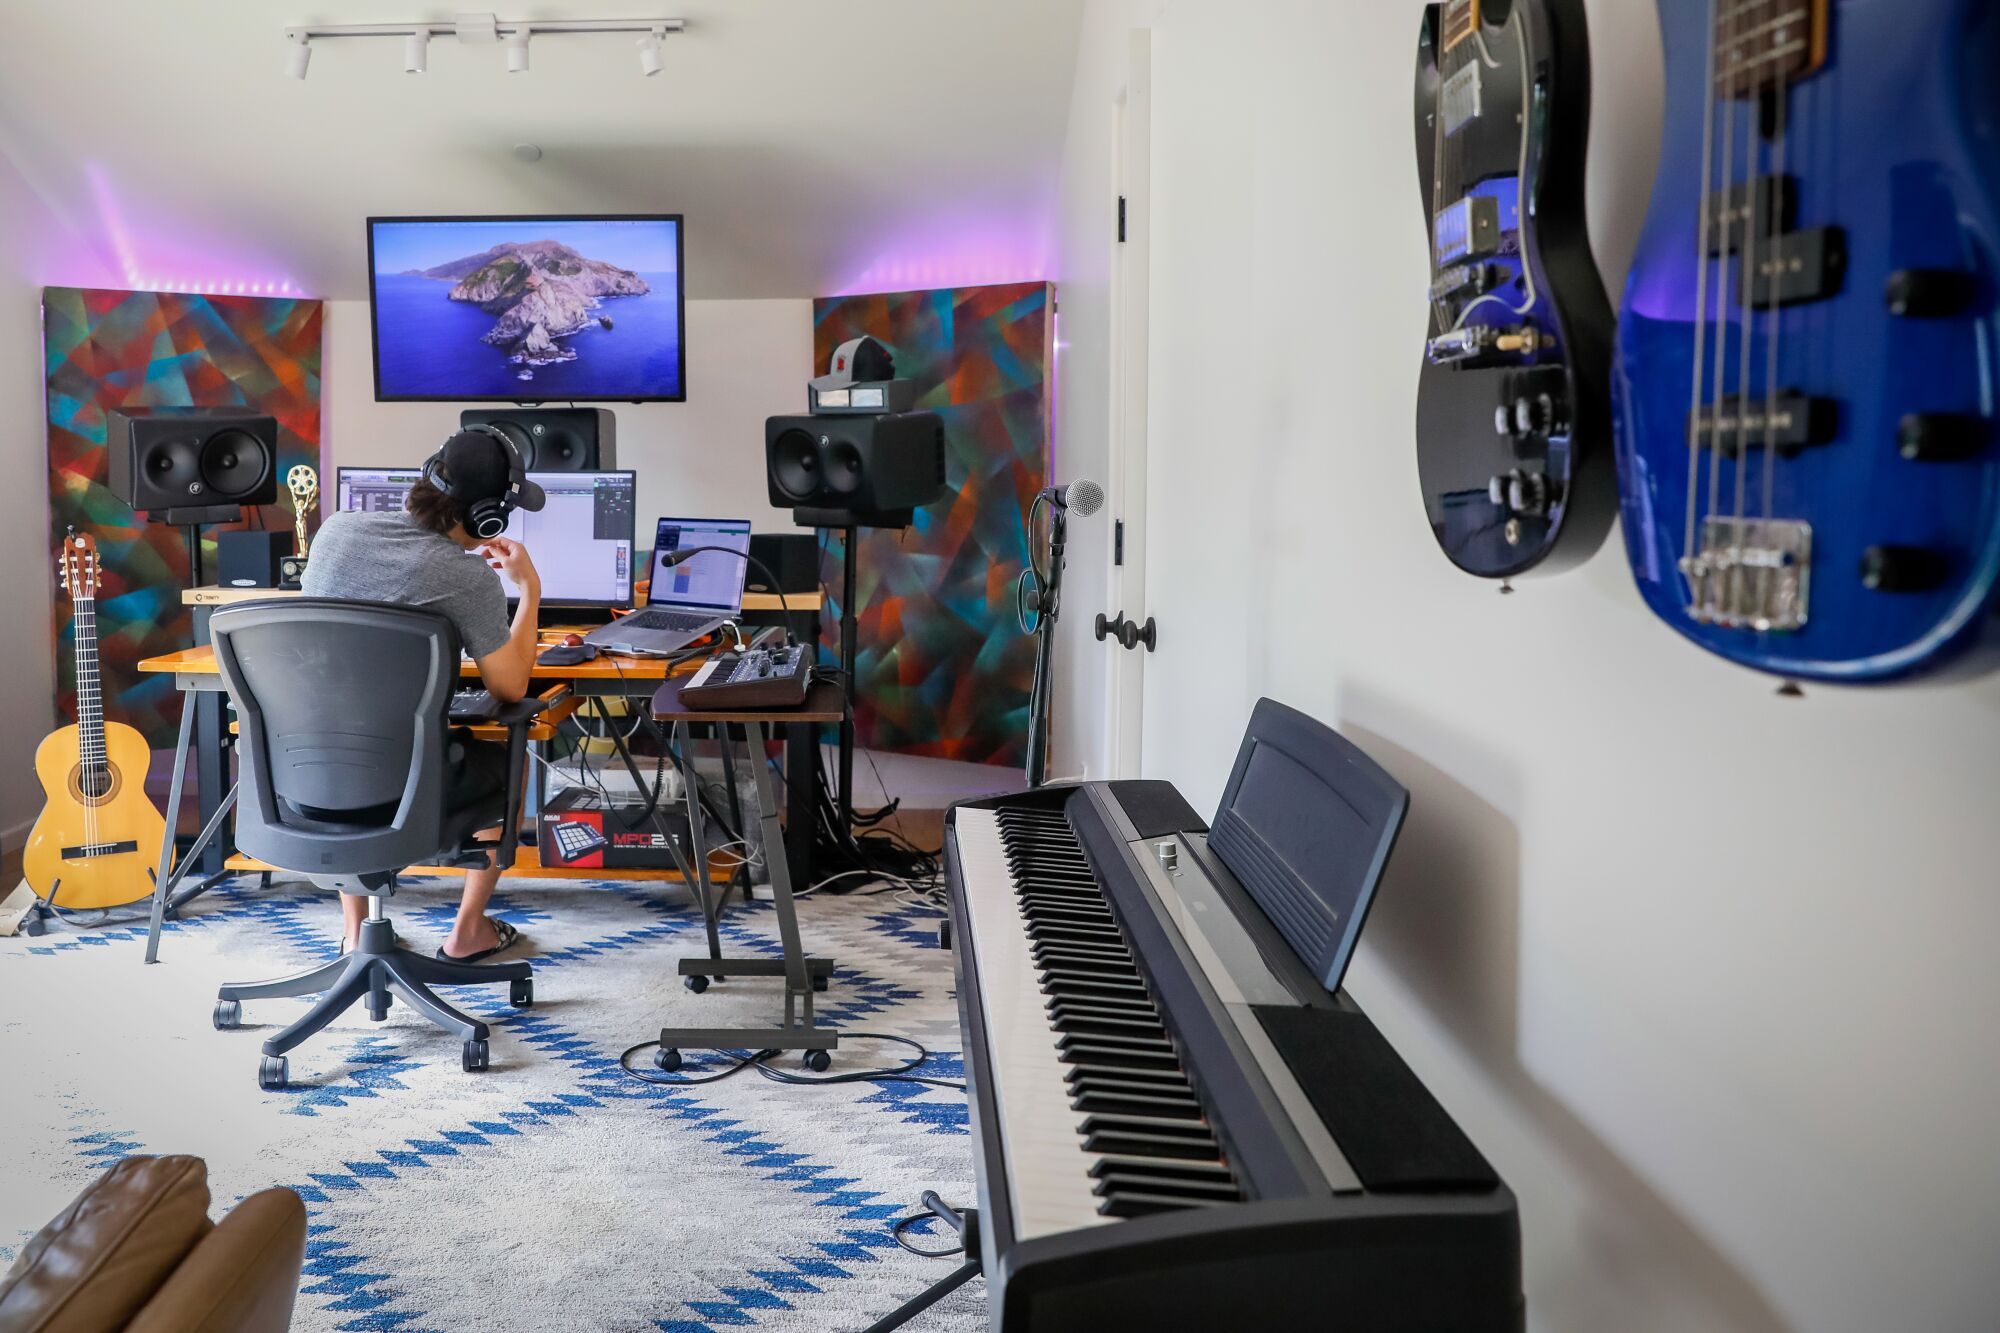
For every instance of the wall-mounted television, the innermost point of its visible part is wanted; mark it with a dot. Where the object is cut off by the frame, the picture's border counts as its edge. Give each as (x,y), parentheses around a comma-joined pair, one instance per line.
(528,309)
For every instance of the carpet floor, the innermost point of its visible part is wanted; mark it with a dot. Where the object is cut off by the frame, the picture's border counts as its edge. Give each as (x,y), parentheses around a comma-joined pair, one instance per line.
(551,1192)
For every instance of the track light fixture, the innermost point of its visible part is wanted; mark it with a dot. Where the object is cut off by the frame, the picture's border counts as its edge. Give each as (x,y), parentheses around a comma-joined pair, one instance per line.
(482,29)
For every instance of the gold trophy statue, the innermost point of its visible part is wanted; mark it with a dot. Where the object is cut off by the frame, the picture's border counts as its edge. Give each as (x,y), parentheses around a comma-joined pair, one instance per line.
(304,485)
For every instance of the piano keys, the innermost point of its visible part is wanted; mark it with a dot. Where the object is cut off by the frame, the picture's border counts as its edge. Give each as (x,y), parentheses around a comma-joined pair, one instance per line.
(1181,1121)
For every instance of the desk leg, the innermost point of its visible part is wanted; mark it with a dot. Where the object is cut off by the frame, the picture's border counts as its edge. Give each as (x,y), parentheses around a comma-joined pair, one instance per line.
(800,740)
(683,747)
(796,981)
(211,757)
(160,877)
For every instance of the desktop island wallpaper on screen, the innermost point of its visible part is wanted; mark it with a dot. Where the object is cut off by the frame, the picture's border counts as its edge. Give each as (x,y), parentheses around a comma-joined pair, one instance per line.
(527,309)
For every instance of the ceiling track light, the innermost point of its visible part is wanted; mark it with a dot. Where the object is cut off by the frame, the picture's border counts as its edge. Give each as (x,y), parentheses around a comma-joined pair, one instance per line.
(483,29)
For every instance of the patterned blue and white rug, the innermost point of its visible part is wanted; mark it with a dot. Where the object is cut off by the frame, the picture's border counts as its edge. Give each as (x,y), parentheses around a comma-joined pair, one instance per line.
(552,1192)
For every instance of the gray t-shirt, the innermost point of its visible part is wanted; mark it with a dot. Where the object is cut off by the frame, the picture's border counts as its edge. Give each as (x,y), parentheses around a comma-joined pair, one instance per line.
(390,558)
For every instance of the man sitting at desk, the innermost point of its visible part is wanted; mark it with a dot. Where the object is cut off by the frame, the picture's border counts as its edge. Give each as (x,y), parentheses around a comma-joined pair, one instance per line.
(422,558)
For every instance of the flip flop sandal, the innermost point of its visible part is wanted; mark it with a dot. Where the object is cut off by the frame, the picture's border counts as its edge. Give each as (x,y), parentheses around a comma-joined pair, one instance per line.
(509,937)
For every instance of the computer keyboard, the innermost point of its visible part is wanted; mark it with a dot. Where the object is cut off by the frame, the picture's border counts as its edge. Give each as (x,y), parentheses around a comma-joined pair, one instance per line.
(654,617)
(760,678)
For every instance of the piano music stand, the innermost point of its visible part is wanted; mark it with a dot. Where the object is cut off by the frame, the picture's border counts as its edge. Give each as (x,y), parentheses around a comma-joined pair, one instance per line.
(967,1225)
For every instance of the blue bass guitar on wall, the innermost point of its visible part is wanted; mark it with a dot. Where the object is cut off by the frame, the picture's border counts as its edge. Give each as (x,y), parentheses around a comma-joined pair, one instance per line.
(1808,359)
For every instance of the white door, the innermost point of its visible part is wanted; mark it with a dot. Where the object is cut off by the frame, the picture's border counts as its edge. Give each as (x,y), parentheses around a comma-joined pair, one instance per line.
(1132,175)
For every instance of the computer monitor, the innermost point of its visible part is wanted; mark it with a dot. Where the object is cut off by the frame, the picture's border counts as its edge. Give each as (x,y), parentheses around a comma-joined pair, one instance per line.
(709,581)
(581,541)
(527,309)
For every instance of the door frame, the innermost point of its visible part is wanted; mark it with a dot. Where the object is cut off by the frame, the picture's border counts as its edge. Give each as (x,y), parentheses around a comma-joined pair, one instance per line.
(1131,259)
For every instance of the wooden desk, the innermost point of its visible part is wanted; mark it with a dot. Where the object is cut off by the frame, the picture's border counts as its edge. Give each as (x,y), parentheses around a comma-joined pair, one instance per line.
(802,975)
(211,595)
(197,666)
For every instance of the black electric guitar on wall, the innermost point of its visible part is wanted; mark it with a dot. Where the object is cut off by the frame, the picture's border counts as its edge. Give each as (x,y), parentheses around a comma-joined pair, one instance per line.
(1513,417)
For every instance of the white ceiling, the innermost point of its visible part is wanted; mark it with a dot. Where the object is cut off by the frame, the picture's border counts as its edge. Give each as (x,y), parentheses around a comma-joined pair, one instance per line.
(816,146)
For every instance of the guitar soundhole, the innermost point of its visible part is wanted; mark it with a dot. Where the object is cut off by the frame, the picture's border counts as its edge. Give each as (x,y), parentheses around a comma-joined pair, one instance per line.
(93,784)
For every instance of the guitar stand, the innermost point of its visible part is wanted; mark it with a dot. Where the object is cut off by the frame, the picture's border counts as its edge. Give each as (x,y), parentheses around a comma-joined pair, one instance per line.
(967,1225)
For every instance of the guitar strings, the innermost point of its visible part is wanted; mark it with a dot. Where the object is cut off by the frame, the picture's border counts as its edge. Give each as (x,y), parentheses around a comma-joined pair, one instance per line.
(1724,271)
(1688,550)
(1781,131)
(1753,92)
(1523,40)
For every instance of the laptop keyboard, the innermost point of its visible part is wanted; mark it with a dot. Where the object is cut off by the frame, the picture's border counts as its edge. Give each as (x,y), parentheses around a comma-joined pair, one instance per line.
(654,617)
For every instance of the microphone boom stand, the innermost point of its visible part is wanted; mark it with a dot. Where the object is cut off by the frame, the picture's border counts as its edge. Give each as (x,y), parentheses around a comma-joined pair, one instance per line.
(1048,605)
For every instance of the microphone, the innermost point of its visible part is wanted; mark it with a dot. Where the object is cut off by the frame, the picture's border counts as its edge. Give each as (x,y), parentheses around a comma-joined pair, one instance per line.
(1082,498)
(681,556)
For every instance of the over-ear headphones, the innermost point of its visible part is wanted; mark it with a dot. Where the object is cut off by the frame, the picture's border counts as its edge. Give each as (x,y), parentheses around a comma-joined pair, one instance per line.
(484,516)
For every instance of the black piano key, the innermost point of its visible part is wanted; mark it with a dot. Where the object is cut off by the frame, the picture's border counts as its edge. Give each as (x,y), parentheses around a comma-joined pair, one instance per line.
(1117,1121)
(1133,1143)
(1137,1204)
(1158,1046)
(1157,1077)
(1206,1174)
(1062,1009)
(1132,1103)
(1111,1087)
(1113,1183)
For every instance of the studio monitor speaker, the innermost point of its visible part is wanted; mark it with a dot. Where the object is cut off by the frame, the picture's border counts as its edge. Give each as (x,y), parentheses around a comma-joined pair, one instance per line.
(554,439)
(251,559)
(860,464)
(193,464)
(792,558)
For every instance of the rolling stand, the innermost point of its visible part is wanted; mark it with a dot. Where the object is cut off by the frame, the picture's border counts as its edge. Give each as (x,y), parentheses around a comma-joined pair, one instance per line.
(803,976)
(967,1225)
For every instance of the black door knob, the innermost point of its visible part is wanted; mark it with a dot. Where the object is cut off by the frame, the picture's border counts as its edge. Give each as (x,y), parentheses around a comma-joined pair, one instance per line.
(1131,634)
(1114,629)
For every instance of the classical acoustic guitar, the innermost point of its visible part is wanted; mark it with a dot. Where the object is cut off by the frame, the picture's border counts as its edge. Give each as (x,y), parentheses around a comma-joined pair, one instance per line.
(95,843)
(1808,367)
(1513,411)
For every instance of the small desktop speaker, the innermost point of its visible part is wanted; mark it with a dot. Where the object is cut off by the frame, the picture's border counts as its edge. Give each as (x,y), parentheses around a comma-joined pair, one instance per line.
(193,464)
(554,439)
(250,559)
(792,557)
(859,464)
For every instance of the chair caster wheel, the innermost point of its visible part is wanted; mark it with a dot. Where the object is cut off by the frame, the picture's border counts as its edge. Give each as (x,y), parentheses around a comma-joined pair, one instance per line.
(818,1061)
(273,1073)
(821,983)
(944,933)
(695,984)
(474,1058)
(228,1014)
(521,994)
(667,1057)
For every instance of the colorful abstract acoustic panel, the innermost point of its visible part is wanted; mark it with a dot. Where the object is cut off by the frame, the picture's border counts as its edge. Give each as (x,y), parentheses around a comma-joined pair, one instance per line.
(943,667)
(109,349)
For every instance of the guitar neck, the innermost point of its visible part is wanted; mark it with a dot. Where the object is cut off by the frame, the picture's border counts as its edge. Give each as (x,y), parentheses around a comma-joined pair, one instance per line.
(89,685)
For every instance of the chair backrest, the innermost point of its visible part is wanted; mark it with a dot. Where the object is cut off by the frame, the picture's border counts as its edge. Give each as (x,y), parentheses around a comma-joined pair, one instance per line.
(342,711)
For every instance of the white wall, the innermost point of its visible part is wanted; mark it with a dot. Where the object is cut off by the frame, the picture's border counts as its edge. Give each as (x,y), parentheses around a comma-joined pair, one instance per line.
(1707,972)
(747,360)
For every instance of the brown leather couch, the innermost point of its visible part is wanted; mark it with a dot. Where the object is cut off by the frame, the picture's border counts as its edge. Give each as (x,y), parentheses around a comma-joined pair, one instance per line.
(136,1252)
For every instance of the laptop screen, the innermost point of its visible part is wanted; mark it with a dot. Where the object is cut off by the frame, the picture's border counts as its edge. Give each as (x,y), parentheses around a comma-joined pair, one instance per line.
(710,580)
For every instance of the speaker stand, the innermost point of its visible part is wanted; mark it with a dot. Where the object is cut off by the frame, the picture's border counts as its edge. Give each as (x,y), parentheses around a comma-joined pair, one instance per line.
(1048,607)
(850,626)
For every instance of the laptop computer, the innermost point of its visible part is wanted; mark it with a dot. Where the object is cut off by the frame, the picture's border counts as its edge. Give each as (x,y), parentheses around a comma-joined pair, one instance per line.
(687,600)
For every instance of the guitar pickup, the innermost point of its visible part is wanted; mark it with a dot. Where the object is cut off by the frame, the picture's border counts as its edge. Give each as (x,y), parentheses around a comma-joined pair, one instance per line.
(1796,267)
(1468,229)
(1459,99)
(1790,421)
(1764,207)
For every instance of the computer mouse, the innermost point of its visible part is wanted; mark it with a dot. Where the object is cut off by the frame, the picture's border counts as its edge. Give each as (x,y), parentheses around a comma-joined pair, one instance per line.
(573,640)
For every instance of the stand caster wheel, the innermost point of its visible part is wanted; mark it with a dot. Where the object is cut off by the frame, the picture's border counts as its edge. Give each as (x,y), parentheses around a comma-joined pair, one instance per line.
(228,1014)
(521,994)
(695,984)
(944,933)
(273,1073)
(818,1061)
(474,1058)
(821,983)
(667,1057)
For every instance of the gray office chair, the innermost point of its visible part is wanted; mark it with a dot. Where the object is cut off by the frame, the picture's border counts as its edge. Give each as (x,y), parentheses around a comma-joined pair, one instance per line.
(346,761)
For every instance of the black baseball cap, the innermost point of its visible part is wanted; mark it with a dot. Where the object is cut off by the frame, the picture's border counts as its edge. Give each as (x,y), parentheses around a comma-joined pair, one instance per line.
(477,465)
